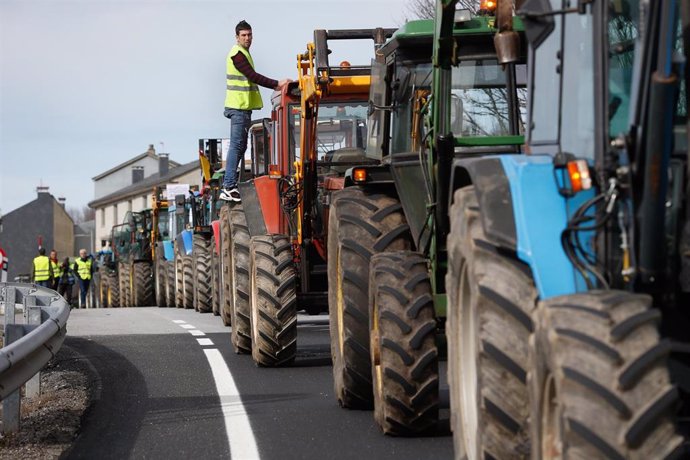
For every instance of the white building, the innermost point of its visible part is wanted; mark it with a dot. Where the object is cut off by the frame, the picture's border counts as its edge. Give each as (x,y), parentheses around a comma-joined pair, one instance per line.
(114,195)
(133,170)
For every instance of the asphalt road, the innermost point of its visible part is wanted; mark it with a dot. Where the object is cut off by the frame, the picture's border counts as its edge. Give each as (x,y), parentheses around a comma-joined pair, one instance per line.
(170,386)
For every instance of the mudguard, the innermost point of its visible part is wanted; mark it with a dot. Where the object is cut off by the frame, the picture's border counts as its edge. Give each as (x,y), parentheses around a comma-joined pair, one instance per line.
(185,243)
(253,203)
(215,225)
(168,250)
(523,211)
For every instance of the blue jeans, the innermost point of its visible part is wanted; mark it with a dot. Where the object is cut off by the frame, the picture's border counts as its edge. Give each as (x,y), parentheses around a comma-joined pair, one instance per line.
(45,283)
(83,289)
(240,120)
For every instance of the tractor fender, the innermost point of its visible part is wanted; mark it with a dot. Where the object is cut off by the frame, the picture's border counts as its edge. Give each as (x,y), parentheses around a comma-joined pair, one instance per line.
(169,250)
(215,225)
(523,212)
(184,243)
(260,199)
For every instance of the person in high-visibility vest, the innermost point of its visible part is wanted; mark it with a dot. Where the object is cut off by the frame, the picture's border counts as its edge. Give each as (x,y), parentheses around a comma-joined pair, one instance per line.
(241,97)
(42,273)
(55,267)
(67,280)
(83,267)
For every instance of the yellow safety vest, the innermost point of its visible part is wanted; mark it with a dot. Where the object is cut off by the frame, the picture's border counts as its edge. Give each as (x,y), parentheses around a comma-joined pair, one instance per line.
(84,268)
(56,268)
(240,92)
(41,268)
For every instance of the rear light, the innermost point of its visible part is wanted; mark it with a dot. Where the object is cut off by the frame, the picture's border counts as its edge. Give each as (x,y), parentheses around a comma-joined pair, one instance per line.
(487,7)
(579,175)
(274,172)
(359,175)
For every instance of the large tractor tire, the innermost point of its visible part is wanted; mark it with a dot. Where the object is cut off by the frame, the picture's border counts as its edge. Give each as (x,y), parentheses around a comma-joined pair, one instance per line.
(103,290)
(215,281)
(404,356)
(273,301)
(170,284)
(161,280)
(113,287)
(203,276)
(239,275)
(179,279)
(142,285)
(125,281)
(187,282)
(225,281)
(491,297)
(599,381)
(359,225)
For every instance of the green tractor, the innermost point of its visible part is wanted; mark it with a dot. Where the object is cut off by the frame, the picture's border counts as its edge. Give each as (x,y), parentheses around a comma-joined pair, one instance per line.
(130,278)
(440,93)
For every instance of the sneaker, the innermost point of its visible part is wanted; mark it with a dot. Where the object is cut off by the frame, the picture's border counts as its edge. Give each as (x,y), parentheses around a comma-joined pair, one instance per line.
(231,194)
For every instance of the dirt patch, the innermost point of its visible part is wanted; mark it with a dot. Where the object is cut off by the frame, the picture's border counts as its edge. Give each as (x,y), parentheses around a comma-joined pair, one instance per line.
(50,422)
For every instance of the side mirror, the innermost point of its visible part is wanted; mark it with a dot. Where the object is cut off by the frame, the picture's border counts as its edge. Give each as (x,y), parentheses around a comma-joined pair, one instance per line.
(180,205)
(537,17)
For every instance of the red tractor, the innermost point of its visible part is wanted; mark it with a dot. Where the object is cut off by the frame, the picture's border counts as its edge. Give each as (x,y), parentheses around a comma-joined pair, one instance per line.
(273,244)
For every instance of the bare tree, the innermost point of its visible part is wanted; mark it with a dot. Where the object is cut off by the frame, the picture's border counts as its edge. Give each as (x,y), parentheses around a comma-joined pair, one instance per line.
(81,214)
(426,9)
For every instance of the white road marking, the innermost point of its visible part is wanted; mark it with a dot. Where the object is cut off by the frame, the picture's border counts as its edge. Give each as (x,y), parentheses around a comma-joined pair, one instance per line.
(237,426)
(196,332)
(179,321)
(187,326)
(204,342)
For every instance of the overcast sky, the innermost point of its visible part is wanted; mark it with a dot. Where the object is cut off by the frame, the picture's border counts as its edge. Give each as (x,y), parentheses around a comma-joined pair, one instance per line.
(88,84)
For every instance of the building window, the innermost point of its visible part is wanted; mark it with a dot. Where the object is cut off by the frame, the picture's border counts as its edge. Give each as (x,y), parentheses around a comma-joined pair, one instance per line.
(115,214)
(143,202)
(129,205)
(102,217)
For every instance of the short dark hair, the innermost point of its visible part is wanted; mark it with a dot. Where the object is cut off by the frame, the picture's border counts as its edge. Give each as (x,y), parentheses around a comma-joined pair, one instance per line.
(42,251)
(242,25)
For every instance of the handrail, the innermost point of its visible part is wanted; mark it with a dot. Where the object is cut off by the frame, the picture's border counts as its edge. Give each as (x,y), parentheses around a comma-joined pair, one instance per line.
(23,358)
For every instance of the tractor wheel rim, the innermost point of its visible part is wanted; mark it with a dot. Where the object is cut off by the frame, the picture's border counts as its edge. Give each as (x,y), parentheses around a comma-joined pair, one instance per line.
(468,374)
(375,345)
(339,303)
(551,445)
(254,308)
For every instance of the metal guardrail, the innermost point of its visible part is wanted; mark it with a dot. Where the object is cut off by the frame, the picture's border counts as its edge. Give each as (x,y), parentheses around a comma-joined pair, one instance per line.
(29,346)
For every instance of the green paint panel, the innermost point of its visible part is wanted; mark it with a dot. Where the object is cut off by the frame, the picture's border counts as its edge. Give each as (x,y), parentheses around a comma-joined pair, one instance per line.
(440,305)
(489,141)
(477,25)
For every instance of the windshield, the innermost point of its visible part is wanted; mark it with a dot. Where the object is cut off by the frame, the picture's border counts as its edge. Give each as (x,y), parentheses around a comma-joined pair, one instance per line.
(163,222)
(622,28)
(340,125)
(479,99)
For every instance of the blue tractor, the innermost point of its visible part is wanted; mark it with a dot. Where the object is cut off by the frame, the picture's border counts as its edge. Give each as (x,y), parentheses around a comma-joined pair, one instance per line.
(567,275)
(556,266)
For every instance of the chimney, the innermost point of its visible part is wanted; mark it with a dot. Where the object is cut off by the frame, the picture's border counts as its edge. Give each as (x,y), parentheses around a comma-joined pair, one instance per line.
(42,189)
(137,174)
(151,149)
(62,200)
(163,164)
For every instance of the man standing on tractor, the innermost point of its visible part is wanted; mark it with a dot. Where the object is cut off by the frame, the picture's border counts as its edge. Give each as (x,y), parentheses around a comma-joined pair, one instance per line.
(42,273)
(83,267)
(241,97)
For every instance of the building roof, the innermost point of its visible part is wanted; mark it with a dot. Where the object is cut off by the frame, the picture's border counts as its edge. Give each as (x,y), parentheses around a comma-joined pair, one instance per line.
(146,185)
(151,153)
(34,202)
